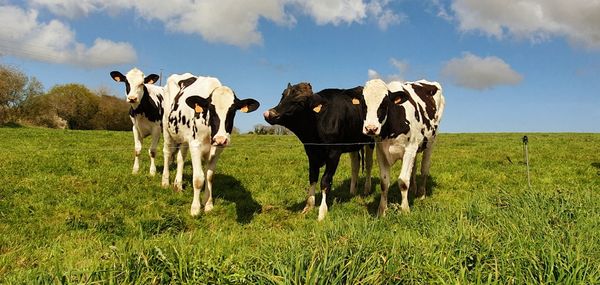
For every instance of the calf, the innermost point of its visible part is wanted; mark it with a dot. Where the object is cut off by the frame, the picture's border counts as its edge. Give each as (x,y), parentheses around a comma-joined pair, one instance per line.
(404,119)
(328,123)
(146,111)
(199,116)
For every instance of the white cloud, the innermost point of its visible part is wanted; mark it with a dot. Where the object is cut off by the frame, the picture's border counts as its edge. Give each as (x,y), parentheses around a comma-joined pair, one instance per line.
(536,20)
(22,35)
(232,22)
(401,67)
(478,73)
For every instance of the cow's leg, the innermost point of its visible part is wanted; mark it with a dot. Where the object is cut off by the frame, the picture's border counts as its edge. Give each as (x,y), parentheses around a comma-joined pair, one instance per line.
(404,179)
(181,155)
(384,177)
(313,177)
(368,167)
(152,150)
(327,180)
(355,163)
(425,165)
(137,141)
(212,166)
(168,149)
(413,178)
(198,176)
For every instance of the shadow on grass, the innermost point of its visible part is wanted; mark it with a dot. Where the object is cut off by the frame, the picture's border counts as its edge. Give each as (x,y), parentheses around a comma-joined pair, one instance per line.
(394,196)
(595,164)
(340,193)
(224,187)
(11,125)
(228,188)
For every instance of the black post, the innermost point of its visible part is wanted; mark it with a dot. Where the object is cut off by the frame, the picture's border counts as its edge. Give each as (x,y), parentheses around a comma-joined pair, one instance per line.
(525,141)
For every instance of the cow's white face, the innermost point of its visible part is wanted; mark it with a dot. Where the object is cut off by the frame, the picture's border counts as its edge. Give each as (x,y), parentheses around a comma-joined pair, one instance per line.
(376,98)
(134,84)
(222,105)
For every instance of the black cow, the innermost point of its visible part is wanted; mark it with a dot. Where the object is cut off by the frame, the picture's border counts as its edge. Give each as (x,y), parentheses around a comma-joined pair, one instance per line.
(328,123)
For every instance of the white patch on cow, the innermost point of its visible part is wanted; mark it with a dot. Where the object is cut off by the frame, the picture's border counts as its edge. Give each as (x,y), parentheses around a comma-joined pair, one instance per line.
(135,78)
(374,92)
(222,100)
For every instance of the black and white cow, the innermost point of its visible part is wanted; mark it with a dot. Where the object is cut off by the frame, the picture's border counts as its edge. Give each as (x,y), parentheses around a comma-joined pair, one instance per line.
(328,123)
(146,111)
(404,119)
(199,117)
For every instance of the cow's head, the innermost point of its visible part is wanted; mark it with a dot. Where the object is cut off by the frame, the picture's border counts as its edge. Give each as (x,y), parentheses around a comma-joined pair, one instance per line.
(134,83)
(221,106)
(295,99)
(378,99)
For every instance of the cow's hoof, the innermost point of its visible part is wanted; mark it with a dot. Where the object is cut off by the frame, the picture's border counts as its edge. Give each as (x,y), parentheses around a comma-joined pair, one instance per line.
(164,184)
(152,173)
(381,211)
(135,171)
(405,208)
(208,207)
(195,211)
(307,209)
(367,190)
(177,187)
(322,212)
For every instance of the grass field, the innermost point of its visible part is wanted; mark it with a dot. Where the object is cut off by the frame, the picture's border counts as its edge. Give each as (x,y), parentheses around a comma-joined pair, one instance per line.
(71,212)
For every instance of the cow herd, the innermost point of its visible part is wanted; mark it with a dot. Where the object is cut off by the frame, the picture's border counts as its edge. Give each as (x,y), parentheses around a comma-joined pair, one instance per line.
(196,114)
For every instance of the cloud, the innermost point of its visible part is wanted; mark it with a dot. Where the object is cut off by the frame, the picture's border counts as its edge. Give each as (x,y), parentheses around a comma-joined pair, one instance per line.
(478,73)
(401,67)
(23,36)
(536,20)
(231,22)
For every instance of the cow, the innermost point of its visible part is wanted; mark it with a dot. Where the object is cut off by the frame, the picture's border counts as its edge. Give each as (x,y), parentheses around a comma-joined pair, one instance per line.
(146,111)
(328,123)
(199,116)
(404,119)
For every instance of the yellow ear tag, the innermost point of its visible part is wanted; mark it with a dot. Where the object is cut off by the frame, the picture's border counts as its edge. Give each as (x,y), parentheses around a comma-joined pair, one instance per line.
(198,109)
(117,78)
(317,109)
(244,109)
(398,100)
(355,101)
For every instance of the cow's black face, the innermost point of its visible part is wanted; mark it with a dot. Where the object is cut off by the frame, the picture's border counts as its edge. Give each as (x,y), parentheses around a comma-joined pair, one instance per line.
(295,100)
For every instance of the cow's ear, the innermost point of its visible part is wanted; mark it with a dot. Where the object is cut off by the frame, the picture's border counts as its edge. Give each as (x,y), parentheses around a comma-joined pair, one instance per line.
(247,105)
(117,76)
(356,94)
(151,79)
(316,103)
(398,97)
(198,103)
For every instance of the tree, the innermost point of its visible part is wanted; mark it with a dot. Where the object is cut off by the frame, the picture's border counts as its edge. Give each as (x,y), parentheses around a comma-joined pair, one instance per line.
(15,89)
(75,104)
(113,113)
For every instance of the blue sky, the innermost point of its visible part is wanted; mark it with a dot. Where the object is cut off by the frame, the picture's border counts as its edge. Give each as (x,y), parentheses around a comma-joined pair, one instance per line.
(505,66)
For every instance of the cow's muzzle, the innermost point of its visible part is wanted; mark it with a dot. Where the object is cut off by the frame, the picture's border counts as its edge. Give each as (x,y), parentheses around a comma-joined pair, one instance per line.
(271,116)
(371,130)
(132,100)
(220,141)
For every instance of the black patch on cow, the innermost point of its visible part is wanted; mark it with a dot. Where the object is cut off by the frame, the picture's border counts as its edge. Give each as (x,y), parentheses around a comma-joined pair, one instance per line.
(187,82)
(396,123)
(148,107)
(426,92)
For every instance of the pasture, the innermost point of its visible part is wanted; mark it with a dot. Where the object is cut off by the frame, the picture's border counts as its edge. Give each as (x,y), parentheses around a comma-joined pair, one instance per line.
(71,212)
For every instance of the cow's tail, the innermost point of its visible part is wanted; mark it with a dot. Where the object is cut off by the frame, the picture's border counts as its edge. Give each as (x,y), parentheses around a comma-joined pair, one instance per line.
(361,159)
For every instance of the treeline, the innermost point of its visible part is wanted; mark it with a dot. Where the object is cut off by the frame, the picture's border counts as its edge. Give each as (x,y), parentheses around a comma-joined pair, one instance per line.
(270,130)
(73,106)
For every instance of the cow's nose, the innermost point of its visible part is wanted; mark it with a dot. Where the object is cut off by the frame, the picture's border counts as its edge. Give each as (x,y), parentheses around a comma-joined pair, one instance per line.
(220,141)
(267,114)
(371,129)
(131,100)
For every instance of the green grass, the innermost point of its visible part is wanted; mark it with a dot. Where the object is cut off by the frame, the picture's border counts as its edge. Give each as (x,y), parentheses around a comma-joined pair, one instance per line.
(71,212)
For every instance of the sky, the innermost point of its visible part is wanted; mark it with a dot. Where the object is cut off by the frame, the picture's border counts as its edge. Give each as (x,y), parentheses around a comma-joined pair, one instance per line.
(504,65)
